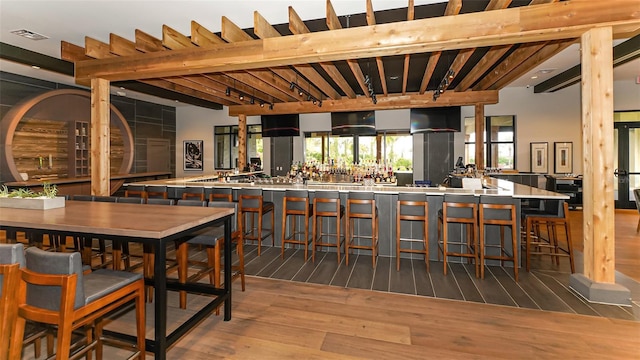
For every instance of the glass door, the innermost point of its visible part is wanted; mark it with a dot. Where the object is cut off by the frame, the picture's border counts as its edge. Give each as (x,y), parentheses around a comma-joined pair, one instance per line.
(626,162)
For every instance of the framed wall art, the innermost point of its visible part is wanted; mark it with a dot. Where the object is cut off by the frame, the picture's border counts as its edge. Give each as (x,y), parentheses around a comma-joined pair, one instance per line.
(539,157)
(563,154)
(193,155)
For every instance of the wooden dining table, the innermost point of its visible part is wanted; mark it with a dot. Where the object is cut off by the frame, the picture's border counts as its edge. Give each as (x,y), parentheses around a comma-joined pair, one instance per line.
(153,225)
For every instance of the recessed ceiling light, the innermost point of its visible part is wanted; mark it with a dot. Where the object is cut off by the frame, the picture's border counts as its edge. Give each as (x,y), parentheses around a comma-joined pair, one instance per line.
(546,71)
(394,77)
(534,77)
(29,34)
(35,67)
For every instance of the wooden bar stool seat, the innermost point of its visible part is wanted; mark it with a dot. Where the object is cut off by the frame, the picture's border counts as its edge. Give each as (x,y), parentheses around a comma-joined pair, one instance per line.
(362,205)
(498,211)
(553,217)
(326,204)
(220,194)
(296,204)
(136,191)
(214,242)
(462,210)
(157,191)
(252,204)
(193,193)
(412,208)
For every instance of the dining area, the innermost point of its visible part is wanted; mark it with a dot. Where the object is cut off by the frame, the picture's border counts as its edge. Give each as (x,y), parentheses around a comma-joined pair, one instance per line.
(63,291)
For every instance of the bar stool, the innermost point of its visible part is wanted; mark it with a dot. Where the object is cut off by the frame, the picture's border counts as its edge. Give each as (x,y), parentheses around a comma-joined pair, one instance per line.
(133,190)
(326,204)
(555,214)
(193,193)
(295,204)
(157,191)
(362,205)
(499,211)
(214,241)
(220,194)
(412,207)
(252,203)
(463,210)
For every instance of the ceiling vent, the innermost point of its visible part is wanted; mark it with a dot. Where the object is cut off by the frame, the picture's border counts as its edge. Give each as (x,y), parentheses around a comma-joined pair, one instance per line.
(29,34)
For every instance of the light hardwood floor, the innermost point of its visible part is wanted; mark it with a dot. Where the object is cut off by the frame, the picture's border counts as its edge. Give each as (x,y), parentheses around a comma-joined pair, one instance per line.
(277,319)
(280,319)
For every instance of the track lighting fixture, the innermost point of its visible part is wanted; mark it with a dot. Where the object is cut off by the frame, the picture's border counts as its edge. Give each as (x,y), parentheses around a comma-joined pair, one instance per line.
(241,96)
(372,94)
(261,104)
(228,91)
(302,92)
(444,83)
(252,101)
(270,106)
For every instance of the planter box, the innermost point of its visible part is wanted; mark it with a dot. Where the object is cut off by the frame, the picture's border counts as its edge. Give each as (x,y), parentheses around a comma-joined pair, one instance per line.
(32,203)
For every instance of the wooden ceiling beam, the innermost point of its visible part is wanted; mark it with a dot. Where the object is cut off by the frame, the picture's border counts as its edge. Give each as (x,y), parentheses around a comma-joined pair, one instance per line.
(265,81)
(234,34)
(414,100)
(562,20)
(263,29)
(512,61)
(333,23)
(173,39)
(463,55)
(551,49)
(297,26)
(147,43)
(453,8)
(202,37)
(488,60)
(97,49)
(405,72)
(371,20)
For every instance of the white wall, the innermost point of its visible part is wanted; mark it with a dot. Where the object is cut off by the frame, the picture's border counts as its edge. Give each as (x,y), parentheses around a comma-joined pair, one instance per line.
(548,117)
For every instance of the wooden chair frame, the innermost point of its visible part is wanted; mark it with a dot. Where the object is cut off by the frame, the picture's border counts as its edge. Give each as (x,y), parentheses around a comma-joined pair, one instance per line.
(259,210)
(502,223)
(316,236)
(69,319)
(425,230)
(472,234)
(286,213)
(373,216)
(9,308)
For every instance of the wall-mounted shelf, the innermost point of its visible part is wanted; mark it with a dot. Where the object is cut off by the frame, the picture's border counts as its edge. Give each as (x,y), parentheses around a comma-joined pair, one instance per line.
(79,146)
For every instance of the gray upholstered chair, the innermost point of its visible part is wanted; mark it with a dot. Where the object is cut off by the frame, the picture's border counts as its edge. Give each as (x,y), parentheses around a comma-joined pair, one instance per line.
(213,240)
(11,260)
(54,290)
(636,193)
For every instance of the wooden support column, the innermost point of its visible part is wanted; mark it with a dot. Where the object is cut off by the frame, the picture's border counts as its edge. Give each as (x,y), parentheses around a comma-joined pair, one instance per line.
(242,141)
(100,137)
(597,283)
(479,136)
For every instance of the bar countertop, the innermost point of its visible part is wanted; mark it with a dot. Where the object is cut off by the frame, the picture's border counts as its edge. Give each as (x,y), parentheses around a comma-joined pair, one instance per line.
(492,186)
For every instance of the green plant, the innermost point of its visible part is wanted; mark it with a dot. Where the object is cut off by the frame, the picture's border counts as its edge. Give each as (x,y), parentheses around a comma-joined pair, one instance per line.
(49,191)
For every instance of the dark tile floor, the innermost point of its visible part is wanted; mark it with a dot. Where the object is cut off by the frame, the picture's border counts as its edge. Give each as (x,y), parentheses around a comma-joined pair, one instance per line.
(544,288)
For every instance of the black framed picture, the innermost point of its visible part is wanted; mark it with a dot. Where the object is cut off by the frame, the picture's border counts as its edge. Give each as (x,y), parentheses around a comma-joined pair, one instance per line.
(193,154)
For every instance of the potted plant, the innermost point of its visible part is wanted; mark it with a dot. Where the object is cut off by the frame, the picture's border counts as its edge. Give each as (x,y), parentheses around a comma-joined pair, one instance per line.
(24,198)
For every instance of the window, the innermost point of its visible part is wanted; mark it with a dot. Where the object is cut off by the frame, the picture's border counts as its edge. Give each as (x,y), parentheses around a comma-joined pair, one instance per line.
(391,147)
(226,145)
(499,144)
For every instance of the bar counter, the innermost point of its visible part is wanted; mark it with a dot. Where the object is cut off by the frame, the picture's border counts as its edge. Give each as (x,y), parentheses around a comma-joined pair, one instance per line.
(386,198)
